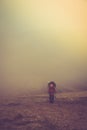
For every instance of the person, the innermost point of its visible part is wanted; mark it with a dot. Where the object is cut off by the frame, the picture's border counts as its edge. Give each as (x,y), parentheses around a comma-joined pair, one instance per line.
(51,91)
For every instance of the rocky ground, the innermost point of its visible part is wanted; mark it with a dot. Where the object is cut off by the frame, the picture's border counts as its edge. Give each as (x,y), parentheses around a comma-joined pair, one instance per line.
(36,113)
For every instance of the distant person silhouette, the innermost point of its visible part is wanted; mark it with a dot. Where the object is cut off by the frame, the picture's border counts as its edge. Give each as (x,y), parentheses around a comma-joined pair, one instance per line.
(51,91)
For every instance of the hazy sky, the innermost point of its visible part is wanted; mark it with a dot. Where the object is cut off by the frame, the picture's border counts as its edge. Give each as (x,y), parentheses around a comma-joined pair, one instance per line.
(43,40)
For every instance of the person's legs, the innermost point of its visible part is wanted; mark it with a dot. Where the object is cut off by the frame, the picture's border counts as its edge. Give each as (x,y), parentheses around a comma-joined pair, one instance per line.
(51,98)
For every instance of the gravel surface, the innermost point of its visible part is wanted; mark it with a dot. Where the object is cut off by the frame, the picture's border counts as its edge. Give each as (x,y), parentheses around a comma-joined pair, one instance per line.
(36,113)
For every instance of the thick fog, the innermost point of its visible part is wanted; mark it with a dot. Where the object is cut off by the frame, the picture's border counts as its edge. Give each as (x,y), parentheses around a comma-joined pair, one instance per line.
(42,41)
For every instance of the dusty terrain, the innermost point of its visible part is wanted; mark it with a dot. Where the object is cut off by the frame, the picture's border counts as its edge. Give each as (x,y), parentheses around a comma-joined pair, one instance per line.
(69,112)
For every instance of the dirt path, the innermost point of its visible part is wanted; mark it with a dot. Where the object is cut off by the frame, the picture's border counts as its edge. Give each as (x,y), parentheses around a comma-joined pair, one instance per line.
(38,114)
